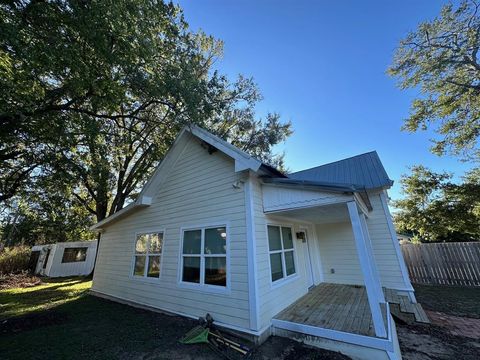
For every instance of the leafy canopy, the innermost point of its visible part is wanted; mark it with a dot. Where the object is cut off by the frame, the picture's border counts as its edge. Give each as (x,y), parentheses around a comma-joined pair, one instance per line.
(441,59)
(436,209)
(94,93)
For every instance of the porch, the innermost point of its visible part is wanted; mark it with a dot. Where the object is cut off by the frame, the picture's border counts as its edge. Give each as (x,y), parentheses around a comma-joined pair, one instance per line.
(338,233)
(345,308)
(335,307)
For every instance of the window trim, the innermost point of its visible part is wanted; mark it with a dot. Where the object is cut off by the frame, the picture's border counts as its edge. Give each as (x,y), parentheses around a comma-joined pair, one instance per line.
(144,277)
(202,286)
(287,278)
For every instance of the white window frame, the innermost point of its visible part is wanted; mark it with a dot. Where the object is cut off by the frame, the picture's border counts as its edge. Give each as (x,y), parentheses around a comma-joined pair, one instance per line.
(144,277)
(285,278)
(201,286)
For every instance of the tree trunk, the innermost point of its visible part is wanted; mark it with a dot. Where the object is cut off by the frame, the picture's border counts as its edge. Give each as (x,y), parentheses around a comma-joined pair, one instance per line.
(99,235)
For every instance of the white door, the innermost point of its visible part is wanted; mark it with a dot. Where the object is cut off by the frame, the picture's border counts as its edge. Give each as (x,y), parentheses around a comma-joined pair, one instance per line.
(307,261)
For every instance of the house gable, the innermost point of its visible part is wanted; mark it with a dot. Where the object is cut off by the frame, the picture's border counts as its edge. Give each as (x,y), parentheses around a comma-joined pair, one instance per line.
(242,162)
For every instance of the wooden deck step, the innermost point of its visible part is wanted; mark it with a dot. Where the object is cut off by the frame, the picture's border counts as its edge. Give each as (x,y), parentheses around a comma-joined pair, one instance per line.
(406,306)
(420,314)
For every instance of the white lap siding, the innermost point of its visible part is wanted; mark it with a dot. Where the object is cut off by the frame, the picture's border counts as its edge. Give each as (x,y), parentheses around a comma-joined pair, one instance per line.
(383,248)
(338,251)
(197,191)
(273,298)
(338,254)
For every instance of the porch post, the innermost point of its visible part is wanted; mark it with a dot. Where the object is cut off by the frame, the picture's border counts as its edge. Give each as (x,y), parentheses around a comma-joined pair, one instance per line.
(365,265)
(373,263)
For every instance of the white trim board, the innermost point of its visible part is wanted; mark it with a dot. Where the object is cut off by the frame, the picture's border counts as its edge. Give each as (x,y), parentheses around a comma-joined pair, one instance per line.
(368,341)
(396,245)
(251,256)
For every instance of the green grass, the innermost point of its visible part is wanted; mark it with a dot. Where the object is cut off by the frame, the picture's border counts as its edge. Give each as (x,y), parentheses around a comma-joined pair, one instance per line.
(51,293)
(452,300)
(59,320)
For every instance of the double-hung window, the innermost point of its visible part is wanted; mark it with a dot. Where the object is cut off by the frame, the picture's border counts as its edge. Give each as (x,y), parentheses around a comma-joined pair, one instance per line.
(148,252)
(204,256)
(281,250)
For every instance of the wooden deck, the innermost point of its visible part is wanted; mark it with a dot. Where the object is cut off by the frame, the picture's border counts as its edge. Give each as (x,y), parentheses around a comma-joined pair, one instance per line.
(333,306)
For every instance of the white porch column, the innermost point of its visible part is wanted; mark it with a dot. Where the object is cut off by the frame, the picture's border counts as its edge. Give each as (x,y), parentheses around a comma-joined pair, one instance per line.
(373,263)
(365,265)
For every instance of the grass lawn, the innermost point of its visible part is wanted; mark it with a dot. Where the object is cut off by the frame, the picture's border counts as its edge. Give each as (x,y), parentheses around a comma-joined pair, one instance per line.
(457,301)
(59,320)
(51,293)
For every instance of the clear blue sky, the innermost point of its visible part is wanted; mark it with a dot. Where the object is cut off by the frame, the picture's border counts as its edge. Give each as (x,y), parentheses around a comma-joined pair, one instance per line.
(322,65)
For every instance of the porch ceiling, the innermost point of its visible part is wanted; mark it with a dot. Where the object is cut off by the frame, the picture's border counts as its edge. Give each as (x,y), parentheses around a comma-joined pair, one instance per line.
(333,213)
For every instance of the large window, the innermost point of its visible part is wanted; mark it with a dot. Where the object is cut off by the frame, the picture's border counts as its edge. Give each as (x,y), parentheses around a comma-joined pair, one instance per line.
(282,259)
(204,256)
(76,254)
(148,251)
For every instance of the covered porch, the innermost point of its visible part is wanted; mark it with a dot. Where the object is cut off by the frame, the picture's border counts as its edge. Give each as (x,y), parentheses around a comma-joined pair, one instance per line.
(334,307)
(345,303)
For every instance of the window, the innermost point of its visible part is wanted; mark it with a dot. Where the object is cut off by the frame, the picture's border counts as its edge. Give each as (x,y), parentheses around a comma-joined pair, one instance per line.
(204,256)
(148,251)
(76,254)
(280,244)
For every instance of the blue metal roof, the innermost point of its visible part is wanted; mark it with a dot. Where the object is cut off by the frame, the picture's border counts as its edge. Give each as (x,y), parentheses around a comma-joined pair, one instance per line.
(361,171)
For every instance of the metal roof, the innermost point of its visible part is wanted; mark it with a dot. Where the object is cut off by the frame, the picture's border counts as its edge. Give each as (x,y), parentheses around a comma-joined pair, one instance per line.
(362,171)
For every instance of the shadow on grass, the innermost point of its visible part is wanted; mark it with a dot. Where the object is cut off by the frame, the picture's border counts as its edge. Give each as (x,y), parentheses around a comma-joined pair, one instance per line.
(94,328)
(20,301)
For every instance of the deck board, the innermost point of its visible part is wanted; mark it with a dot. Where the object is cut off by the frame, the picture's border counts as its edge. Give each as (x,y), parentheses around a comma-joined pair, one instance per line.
(333,306)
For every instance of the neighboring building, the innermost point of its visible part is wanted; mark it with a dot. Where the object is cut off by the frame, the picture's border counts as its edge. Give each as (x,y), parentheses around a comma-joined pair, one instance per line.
(64,259)
(404,238)
(305,255)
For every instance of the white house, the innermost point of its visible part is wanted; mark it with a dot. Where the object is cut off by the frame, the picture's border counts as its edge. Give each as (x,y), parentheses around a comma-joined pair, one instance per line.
(65,259)
(311,255)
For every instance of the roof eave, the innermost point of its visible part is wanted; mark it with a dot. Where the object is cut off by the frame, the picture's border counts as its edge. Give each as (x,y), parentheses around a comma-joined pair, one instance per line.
(312,184)
(141,202)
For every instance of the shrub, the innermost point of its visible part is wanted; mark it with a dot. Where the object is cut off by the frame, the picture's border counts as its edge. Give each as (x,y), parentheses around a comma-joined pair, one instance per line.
(14,260)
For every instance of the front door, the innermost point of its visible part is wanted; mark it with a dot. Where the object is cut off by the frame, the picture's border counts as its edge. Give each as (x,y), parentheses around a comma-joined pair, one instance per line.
(307,261)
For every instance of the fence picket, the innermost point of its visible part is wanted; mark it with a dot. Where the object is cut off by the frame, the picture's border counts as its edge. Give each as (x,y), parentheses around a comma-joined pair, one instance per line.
(443,263)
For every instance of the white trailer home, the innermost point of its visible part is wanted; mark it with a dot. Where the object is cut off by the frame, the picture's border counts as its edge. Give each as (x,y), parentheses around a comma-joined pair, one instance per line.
(311,255)
(65,259)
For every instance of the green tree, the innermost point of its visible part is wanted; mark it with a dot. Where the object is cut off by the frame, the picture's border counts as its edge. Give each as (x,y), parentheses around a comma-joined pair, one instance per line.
(436,209)
(94,93)
(47,215)
(441,59)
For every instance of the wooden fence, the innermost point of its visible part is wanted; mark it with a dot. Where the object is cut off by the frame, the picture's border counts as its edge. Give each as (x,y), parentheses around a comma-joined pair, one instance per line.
(443,263)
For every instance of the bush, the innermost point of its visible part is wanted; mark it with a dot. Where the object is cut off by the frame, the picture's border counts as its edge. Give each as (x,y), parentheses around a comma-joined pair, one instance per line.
(14,260)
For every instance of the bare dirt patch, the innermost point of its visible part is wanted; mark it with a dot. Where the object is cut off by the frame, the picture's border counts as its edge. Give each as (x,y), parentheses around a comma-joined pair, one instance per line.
(456,325)
(286,349)
(432,342)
